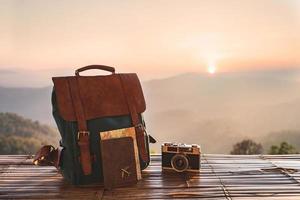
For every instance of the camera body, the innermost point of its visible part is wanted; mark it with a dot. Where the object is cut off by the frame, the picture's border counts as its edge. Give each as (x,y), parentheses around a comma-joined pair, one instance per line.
(180,157)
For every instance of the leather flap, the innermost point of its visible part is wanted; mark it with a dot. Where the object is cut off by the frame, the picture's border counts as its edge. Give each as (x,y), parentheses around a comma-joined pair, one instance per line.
(101,96)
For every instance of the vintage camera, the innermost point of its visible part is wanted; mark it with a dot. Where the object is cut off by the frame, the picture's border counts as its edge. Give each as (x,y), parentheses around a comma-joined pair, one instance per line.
(180,157)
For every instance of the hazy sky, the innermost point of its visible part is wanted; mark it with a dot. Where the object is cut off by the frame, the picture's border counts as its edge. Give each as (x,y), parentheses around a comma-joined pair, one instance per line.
(155,38)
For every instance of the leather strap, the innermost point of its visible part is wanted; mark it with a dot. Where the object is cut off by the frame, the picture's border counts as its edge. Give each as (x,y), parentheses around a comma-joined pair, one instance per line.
(101,67)
(48,156)
(77,104)
(139,128)
(83,133)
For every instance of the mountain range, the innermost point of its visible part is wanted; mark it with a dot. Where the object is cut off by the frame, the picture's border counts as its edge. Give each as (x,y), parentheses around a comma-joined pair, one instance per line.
(214,111)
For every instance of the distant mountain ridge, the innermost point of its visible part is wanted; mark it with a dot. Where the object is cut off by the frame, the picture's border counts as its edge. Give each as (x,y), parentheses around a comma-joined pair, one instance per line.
(214,111)
(34,103)
(217,111)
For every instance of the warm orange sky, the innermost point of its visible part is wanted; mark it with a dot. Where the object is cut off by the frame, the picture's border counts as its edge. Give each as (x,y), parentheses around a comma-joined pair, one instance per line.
(155,38)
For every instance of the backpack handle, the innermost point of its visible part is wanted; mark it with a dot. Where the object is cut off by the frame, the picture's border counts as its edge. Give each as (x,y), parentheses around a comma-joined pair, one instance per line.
(101,67)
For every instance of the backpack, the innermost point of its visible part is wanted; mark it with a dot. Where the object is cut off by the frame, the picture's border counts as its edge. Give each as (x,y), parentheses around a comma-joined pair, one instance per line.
(84,106)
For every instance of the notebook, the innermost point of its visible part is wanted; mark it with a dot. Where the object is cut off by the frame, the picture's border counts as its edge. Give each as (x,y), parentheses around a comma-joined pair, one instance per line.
(119,163)
(125,132)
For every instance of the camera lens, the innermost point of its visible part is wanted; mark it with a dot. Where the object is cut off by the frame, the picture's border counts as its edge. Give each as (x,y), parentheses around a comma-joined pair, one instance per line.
(179,163)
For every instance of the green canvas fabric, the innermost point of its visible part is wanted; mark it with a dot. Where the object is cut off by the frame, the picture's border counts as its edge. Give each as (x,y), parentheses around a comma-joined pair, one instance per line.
(70,166)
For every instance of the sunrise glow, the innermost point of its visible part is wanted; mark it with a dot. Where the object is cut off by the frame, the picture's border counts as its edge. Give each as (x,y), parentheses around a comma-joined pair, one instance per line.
(211,69)
(41,39)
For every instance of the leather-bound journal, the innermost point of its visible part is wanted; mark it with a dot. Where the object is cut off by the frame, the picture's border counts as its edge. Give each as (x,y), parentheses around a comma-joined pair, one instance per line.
(119,164)
(125,132)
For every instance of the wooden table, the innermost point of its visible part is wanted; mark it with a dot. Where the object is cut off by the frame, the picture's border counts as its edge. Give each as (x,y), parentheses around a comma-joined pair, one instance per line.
(221,177)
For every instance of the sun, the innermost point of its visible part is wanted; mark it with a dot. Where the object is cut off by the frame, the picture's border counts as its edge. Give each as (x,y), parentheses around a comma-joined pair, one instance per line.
(211,69)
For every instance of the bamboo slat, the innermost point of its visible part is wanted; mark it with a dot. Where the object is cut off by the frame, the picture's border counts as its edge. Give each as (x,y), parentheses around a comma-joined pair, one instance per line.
(220,177)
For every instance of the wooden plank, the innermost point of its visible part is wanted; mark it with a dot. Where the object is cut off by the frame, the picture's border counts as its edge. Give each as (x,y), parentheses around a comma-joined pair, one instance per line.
(221,177)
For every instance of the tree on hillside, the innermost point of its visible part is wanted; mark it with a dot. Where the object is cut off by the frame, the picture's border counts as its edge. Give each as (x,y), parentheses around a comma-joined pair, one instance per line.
(18,145)
(247,147)
(19,135)
(283,148)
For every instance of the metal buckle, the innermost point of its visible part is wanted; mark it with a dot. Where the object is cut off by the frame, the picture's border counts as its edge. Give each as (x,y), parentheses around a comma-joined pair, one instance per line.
(82,133)
(140,125)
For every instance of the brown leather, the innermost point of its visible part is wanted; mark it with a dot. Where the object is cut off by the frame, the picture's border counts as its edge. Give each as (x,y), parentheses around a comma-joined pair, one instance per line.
(101,67)
(77,104)
(140,138)
(119,165)
(140,132)
(101,96)
(83,134)
(85,156)
(48,156)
